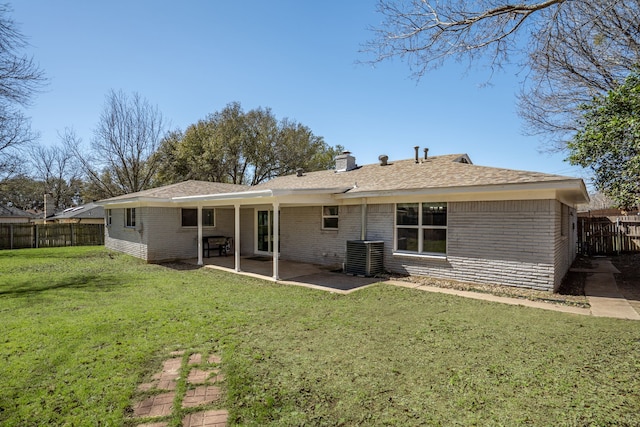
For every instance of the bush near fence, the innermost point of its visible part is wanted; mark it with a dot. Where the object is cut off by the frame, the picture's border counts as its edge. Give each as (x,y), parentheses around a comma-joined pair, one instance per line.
(21,236)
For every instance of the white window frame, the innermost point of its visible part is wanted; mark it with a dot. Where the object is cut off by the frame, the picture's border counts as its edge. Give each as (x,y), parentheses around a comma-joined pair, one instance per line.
(213,217)
(420,227)
(130,217)
(325,216)
(108,217)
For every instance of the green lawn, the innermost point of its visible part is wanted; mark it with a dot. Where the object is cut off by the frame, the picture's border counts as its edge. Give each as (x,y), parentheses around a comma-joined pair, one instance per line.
(80,328)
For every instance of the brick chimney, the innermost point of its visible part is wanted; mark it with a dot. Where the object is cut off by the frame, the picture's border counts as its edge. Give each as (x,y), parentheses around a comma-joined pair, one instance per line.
(345,162)
(48,206)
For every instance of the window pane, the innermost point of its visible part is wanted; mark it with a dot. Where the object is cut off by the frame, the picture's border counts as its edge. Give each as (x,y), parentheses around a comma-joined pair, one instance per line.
(330,223)
(407,239)
(130,217)
(189,217)
(330,211)
(434,240)
(207,217)
(407,214)
(434,214)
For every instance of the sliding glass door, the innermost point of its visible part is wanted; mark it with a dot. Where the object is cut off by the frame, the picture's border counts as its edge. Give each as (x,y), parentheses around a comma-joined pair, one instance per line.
(264,232)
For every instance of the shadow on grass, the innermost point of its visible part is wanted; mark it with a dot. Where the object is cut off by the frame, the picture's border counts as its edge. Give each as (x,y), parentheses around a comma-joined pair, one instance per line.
(98,282)
(181,266)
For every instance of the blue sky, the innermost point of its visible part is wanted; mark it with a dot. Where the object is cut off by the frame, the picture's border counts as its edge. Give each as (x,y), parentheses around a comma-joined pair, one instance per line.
(300,58)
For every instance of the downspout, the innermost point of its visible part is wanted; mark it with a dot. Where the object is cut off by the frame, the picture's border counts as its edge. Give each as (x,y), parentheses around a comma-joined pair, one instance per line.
(276,239)
(363,219)
(200,262)
(236,243)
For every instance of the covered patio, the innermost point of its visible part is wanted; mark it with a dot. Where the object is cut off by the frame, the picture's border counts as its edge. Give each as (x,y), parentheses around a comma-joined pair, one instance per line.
(290,272)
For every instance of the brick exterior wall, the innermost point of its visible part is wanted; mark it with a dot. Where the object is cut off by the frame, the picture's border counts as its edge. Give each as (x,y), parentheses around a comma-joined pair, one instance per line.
(515,243)
(159,235)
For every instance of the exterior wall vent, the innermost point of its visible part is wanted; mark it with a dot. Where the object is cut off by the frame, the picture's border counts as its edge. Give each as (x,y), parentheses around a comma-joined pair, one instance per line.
(365,257)
(345,162)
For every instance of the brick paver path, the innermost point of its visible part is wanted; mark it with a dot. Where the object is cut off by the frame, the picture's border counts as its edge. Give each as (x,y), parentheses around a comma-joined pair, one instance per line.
(201,395)
(200,392)
(215,418)
(159,405)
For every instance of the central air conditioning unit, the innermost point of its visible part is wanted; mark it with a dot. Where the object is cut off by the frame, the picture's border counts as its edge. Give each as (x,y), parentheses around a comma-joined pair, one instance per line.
(365,257)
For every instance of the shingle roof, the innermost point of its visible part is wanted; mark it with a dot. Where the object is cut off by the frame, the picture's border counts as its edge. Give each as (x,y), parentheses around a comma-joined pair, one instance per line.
(12,212)
(186,188)
(436,172)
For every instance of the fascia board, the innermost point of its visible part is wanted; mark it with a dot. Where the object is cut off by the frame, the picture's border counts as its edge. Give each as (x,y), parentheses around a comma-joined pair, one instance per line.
(570,185)
(250,196)
(134,202)
(224,196)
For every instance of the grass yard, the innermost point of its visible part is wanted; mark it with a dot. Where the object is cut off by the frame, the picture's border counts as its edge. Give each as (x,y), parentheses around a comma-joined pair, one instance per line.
(80,328)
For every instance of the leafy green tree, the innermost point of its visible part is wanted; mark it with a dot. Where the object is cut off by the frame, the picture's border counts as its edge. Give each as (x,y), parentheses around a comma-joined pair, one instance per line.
(22,192)
(608,142)
(241,148)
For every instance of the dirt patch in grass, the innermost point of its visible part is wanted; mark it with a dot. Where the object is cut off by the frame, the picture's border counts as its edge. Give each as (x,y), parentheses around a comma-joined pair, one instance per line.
(570,293)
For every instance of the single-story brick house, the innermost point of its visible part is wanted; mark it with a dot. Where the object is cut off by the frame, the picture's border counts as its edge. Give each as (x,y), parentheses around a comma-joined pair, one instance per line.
(440,216)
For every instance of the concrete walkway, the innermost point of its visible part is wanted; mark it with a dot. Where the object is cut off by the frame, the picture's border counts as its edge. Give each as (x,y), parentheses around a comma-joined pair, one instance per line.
(600,288)
(603,294)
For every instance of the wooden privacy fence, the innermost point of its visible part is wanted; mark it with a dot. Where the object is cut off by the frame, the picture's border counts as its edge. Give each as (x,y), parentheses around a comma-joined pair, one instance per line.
(20,236)
(608,235)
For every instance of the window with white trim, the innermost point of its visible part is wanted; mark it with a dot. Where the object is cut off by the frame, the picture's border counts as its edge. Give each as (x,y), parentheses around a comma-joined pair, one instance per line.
(190,217)
(421,228)
(108,217)
(330,217)
(130,217)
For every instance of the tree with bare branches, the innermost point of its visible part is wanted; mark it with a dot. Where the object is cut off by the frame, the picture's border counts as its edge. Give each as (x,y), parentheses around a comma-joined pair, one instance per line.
(122,156)
(56,169)
(20,79)
(570,50)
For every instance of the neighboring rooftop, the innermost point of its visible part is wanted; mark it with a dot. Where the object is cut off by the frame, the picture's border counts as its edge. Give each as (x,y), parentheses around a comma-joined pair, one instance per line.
(90,210)
(12,212)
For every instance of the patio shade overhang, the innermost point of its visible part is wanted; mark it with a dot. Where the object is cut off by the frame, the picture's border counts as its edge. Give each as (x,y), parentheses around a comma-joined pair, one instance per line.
(292,196)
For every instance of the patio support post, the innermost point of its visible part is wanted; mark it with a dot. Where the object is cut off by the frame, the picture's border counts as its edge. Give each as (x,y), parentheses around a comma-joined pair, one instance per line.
(236,238)
(276,239)
(200,235)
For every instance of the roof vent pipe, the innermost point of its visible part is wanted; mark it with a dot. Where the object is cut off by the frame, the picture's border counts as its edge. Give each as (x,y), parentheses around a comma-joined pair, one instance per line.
(426,153)
(417,155)
(383,158)
(299,172)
